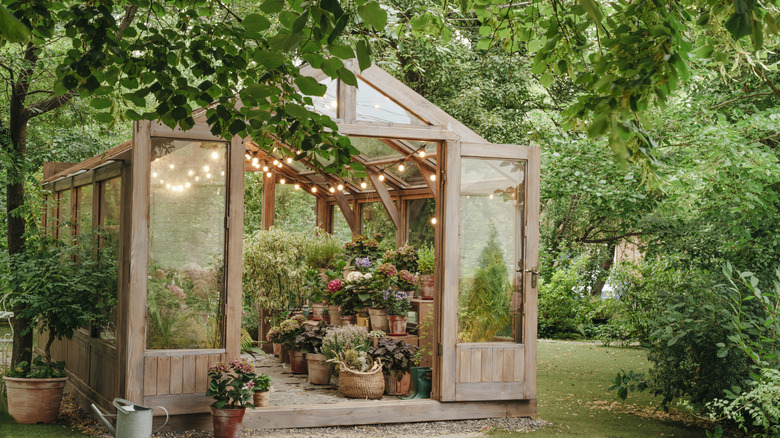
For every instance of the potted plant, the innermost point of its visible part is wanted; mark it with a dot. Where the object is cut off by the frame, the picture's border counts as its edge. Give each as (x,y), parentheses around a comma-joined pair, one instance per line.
(60,287)
(340,338)
(425,266)
(362,246)
(231,385)
(406,281)
(398,358)
(261,387)
(316,287)
(287,333)
(402,258)
(397,309)
(360,376)
(310,342)
(333,302)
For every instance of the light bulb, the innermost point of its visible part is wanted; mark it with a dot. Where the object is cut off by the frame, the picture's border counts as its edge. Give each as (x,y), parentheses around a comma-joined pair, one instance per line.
(297,187)
(167,186)
(401,167)
(187,184)
(363,185)
(314,189)
(223,173)
(255,160)
(276,162)
(208,175)
(171,166)
(265,168)
(161,181)
(340,187)
(433,177)
(205,168)
(190,173)
(154,174)
(180,188)
(334,104)
(247,156)
(197,178)
(289,160)
(332,190)
(268,174)
(422,154)
(214,155)
(491,196)
(256,166)
(279,165)
(381,177)
(433,220)
(282,181)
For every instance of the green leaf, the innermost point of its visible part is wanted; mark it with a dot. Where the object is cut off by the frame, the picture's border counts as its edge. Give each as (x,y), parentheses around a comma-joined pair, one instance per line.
(598,126)
(100,103)
(347,76)
(331,66)
(296,111)
(11,29)
(593,9)
(546,80)
(103,117)
(363,51)
(484,43)
(739,25)
(272,6)
(269,59)
(255,23)
(373,15)
(342,51)
(310,86)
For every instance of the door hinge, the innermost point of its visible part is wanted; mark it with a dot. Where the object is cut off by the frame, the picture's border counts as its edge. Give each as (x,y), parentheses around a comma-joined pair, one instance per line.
(227,222)
(443,176)
(438,348)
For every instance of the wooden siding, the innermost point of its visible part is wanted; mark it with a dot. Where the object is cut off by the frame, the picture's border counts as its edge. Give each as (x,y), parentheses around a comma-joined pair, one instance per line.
(178,372)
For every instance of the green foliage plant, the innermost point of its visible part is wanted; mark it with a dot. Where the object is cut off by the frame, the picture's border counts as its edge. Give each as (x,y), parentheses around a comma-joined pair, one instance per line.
(362,246)
(287,332)
(397,356)
(39,369)
(397,302)
(262,383)
(321,250)
(425,260)
(231,385)
(310,341)
(346,337)
(403,258)
(563,308)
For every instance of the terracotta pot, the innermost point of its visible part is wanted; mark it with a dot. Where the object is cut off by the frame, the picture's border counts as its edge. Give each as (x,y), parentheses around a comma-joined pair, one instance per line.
(298,362)
(261,399)
(278,350)
(397,324)
(319,371)
(228,423)
(348,320)
(33,401)
(326,318)
(335,317)
(396,386)
(316,311)
(426,286)
(378,319)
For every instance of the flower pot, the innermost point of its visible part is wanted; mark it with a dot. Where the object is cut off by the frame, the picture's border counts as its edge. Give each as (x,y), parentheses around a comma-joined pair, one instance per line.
(362,321)
(348,320)
(32,401)
(326,318)
(278,350)
(335,317)
(396,386)
(228,423)
(378,319)
(319,371)
(426,286)
(316,311)
(397,324)
(261,399)
(298,362)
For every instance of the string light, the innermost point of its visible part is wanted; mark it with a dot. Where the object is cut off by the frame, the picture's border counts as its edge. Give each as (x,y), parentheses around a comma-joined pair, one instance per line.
(180,188)
(161,181)
(256,166)
(255,160)
(433,221)
(289,160)
(214,155)
(190,173)
(433,177)
(223,173)
(276,162)
(265,168)
(154,174)
(268,174)
(279,165)
(167,186)
(171,166)
(247,156)
(187,184)
(314,189)
(282,181)
(363,185)
(340,187)
(491,196)
(422,154)
(381,177)
(297,187)
(205,168)
(332,190)
(197,178)
(208,175)
(401,167)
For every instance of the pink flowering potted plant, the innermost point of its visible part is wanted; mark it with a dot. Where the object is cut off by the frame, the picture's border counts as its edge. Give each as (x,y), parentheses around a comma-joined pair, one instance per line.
(231,385)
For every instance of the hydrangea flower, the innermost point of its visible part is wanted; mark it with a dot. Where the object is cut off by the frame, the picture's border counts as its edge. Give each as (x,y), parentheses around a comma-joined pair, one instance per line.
(387,269)
(335,285)
(363,262)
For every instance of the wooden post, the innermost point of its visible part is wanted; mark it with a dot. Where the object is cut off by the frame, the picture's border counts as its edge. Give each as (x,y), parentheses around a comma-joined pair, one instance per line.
(135,341)
(234,251)
(123,290)
(323,215)
(269,200)
(530,299)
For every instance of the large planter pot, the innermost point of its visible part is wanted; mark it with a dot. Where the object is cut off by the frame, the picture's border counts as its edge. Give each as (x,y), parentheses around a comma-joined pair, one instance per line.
(261,399)
(347,319)
(316,311)
(378,319)
(32,401)
(335,317)
(319,371)
(396,386)
(278,350)
(426,286)
(228,423)
(397,324)
(298,362)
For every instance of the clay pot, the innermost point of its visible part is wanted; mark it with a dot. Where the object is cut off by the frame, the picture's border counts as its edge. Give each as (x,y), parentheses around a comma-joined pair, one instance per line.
(298,362)
(335,317)
(348,320)
(396,386)
(378,319)
(278,350)
(319,371)
(397,324)
(326,318)
(316,311)
(426,286)
(261,399)
(228,423)
(32,401)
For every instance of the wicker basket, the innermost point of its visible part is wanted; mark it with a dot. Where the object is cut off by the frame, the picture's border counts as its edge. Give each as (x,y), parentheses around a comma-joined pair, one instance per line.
(356,384)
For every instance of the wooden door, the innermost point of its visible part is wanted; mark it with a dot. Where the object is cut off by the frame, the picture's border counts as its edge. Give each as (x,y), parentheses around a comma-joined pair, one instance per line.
(489,255)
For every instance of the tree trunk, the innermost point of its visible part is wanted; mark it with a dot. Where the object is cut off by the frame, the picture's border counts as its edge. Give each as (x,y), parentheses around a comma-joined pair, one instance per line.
(606,265)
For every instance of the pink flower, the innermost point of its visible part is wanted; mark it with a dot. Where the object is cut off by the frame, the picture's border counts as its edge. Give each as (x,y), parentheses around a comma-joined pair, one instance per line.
(335,285)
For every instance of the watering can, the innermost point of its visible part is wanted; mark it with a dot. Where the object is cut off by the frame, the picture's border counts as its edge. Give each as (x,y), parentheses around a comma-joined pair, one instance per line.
(132,421)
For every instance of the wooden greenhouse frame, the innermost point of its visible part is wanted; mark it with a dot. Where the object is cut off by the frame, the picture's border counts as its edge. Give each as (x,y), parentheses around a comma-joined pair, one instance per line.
(471,380)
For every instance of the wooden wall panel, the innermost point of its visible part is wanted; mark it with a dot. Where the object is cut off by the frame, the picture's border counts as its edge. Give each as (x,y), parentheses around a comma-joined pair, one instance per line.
(163,375)
(150,376)
(188,375)
(177,366)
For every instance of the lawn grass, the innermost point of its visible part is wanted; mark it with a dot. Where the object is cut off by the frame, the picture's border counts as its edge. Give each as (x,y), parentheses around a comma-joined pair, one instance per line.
(572,382)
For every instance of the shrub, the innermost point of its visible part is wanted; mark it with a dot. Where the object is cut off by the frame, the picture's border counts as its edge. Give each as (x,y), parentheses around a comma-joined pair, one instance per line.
(397,357)
(563,303)
(426,260)
(321,250)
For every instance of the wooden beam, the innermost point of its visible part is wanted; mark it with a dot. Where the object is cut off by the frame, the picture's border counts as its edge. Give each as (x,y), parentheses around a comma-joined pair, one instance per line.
(403,132)
(199,132)
(269,200)
(323,218)
(409,153)
(387,200)
(430,181)
(489,150)
(51,168)
(234,251)
(346,210)
(346,102)
(530,293)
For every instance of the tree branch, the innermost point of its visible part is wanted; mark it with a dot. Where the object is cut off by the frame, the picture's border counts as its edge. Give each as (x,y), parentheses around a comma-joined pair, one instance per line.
(768,82)
(610,239)
(47,105)
(746,96)
(128,18)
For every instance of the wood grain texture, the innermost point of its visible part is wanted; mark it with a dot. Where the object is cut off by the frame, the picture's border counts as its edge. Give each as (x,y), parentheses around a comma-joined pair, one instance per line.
(477,391)
(234,251)
(401,132)
(387,200)
(188,378)
(532,262)
(269,200)
(176,375)
(490,150)
(150,376)
(163,375)
(346,210)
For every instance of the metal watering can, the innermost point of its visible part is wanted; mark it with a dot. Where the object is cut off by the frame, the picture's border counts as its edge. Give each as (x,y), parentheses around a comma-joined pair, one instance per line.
(132,421)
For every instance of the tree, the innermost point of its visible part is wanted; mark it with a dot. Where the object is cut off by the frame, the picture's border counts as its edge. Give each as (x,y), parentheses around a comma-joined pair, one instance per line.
(162,59)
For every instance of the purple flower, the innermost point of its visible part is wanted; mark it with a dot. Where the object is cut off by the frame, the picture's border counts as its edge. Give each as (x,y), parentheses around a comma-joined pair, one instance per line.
(363,262)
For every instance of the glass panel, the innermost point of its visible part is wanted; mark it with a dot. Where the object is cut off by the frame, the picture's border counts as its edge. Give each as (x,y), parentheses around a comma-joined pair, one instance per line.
(186,244)
(373,106)
(51,215)
(328,103)
(419,213)
(410,173)
(491,212)
(377,221)
(85,209)
(296,210)
(340,226)
(110,211)
(65,216)
(374,149)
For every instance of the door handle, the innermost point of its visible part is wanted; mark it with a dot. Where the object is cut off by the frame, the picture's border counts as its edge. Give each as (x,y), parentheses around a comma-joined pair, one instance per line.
(534,276)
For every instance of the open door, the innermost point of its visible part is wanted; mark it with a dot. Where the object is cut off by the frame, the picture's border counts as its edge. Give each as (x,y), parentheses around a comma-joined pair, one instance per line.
(489,248)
